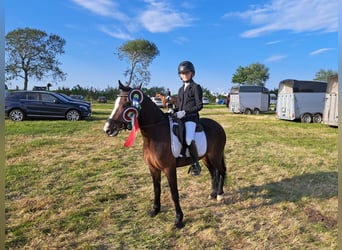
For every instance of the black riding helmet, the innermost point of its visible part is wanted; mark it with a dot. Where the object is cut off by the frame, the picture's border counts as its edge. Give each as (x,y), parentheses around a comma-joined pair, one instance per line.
(186,66)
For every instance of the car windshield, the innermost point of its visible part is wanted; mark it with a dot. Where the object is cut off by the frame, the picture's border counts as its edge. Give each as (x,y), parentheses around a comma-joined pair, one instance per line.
(62,97)
(68,98)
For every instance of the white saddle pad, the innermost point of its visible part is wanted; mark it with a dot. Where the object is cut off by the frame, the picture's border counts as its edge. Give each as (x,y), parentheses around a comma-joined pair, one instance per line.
(176,147)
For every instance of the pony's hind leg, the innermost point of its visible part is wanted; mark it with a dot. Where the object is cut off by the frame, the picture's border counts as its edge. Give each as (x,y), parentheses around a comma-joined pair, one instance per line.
(214,178)
(214,183)
(218,172)
(221,179)
(156,177)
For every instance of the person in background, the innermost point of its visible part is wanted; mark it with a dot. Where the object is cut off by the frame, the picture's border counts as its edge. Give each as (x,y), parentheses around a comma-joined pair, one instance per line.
(189,103)
(228,100)
(168,95)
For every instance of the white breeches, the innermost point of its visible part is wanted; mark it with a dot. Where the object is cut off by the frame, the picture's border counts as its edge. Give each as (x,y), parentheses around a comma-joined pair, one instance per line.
(190,129)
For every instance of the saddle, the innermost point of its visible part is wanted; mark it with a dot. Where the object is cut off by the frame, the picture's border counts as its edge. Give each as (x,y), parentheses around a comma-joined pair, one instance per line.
(178,144)
(178,129)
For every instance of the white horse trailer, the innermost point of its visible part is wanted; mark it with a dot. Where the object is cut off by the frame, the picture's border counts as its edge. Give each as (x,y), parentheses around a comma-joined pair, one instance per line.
(302,100)
(249,99)
(330,113)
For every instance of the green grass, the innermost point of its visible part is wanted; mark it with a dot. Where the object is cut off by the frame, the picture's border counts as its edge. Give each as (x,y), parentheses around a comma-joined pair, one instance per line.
(69,186)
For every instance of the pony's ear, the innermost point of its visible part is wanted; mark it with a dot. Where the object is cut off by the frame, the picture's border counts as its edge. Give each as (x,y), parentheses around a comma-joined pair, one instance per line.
(120,84)
(123,87)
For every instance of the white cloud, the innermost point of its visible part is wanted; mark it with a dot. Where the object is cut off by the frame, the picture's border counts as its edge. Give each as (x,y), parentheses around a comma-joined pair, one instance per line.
(273,42)
(116,33)
(102,7)
(154,16)
(319,51)
(293,15)
(275,58)
(160,17)
(181,40)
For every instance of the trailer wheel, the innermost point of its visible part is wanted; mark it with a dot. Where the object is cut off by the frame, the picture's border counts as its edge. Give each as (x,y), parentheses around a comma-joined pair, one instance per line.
(248,111)
(306,118)
(317,118)
(256,111)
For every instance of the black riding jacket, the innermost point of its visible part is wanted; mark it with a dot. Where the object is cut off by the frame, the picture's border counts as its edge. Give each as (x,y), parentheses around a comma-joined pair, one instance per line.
(190,101)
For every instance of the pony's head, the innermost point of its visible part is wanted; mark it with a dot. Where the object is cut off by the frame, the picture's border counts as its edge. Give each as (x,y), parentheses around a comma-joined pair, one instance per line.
(126,108)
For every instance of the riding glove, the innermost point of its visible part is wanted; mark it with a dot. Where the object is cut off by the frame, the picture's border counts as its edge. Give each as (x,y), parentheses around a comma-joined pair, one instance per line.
(180,114)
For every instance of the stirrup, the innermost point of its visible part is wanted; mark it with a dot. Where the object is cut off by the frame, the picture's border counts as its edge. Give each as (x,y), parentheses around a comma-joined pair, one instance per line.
(195,169)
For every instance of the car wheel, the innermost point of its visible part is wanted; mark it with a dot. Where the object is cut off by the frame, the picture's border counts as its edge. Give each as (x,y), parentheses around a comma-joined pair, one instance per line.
(16,115)
(317,118)
(73,115)
(306,118)
(256,111)
(248,112)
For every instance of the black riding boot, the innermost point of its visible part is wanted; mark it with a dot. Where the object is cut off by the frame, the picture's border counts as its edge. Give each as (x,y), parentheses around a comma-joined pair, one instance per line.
(195,166)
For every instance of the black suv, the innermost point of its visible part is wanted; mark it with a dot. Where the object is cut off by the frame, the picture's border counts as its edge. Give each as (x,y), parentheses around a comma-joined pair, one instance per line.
(22,104)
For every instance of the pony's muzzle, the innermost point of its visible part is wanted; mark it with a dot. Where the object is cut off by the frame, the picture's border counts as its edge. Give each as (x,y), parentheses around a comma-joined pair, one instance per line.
(110,131)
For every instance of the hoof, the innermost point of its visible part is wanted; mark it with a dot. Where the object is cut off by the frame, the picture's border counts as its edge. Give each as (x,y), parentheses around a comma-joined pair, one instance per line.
(220,197)
(153,213)
(179,220)
(179,225)
(211,197)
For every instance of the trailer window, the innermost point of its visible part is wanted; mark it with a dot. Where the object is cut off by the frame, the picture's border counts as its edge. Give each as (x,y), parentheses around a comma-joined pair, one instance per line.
(251,89)
(309,86)
(295,86)
(248,89)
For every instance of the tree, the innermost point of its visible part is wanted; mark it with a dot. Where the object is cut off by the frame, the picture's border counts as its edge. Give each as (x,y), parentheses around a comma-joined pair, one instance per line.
(240,75)
(323,75)
(254,74)
(139,53)
(32,53)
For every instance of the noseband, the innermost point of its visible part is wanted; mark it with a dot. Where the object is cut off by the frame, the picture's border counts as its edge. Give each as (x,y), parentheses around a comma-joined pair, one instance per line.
(122,125)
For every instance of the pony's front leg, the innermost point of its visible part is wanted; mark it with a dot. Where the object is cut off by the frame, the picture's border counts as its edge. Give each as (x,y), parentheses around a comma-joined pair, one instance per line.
(156,177)
(172,179)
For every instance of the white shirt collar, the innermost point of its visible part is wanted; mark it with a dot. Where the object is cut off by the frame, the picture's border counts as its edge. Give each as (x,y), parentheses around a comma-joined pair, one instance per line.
(186,84)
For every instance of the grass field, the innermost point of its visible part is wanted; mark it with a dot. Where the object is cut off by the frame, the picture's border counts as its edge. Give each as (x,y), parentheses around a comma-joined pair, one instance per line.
(69,186)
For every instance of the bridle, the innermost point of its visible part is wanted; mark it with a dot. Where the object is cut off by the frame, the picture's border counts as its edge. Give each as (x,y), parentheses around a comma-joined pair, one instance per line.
(131,110)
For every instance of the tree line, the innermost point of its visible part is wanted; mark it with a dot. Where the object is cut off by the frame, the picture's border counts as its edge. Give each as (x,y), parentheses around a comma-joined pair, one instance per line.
(112,92)
(32,53)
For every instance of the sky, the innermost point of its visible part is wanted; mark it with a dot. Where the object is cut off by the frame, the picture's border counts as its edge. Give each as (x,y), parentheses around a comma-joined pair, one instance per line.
(292,38)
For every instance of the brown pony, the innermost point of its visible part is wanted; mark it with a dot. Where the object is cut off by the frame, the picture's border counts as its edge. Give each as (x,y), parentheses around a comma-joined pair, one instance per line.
(155,131)
(167,104)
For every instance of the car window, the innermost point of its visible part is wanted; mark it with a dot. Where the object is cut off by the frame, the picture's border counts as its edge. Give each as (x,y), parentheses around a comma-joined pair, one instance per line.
(17,95)
(47,97)
(32,96)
